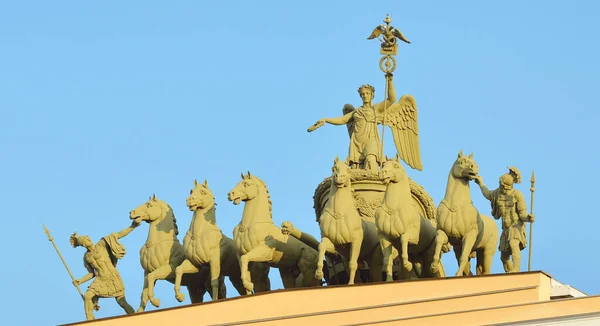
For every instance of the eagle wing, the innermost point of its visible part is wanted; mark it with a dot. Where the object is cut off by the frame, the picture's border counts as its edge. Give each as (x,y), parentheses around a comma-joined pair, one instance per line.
(376,32)
(402,118)
(396,32)
(350,125)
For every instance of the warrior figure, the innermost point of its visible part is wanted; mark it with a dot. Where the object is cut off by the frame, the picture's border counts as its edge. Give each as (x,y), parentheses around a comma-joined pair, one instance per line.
(100,260)
(509,204)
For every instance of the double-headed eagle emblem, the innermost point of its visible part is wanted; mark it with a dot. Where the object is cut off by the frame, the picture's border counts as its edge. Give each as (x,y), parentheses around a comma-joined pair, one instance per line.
(389,34)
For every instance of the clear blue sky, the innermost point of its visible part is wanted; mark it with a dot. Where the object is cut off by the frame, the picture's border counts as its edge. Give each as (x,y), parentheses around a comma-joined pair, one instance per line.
(104,104)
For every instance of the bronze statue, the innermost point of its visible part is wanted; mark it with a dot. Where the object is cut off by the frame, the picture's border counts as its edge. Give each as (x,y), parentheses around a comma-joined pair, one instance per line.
(258,239)
(399,224)
(204,244)
(459,222)
(365,146)
(509,204)
(100,260)
(162,253)
(344,231)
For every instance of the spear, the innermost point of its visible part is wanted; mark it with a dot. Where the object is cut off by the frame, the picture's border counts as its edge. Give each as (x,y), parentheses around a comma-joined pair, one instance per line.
(532,189)
(61,257)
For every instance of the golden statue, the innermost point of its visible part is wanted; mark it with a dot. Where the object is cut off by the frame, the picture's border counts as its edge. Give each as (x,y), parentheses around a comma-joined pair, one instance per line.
(344,231)
(205,245)
(162,253)
(509,204)
(258,239)
(460,224)
(365,145)
(100,260)
(400,223)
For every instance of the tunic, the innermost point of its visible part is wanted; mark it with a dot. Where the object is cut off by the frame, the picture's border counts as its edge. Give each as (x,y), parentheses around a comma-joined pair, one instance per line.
(509,207)
(102,261)
(365,137)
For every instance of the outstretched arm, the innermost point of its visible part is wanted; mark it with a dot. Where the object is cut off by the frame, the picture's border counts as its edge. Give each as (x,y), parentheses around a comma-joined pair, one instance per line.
(334,121)
(484,190)
(288,228)
(134,224)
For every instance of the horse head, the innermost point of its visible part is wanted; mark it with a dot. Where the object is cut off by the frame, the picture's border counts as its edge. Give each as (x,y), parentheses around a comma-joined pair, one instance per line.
(393,171)
(200,197)
(464,167)
(245,190)
(250,188)
(155,211)
(340,173)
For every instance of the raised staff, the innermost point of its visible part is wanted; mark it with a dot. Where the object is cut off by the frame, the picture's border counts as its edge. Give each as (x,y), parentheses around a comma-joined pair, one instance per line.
(51,239)
(532,189)
(387,64)
(365,150)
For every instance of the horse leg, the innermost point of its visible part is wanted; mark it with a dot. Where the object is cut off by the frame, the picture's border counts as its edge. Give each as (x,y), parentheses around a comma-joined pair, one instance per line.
(440,240)
(160,273)
(196,293)
(479,268)
(261,253)
(287,278)
(215,272)
(144,298)
(467,246)
(386,249)
(237,283)
(308,266)
(488,257)
(324,246)
(185,268)
(410,236)
(260,277)
(376,265)
(354,253)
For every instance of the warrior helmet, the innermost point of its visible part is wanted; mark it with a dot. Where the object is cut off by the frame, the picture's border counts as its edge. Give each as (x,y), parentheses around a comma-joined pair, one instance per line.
(515,173)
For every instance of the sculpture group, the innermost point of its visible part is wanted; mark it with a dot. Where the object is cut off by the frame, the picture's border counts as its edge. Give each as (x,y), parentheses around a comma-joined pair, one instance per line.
(372,217)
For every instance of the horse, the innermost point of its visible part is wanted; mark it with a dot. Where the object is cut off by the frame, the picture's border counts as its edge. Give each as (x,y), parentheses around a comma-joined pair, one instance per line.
(204,243)
(344,231)
(162,253)
(258,239)
(460,224)
(400,224)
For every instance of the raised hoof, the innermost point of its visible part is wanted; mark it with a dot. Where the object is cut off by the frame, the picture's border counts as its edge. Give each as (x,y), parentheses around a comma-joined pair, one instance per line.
(408,266)
(180,297)
(319,274)
(249,287)
(435,268)
(155,302)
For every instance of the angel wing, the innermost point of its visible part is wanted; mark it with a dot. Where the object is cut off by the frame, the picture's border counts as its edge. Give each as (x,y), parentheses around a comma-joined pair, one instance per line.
(396,32)
(350,125)
(402,118)
(376,32)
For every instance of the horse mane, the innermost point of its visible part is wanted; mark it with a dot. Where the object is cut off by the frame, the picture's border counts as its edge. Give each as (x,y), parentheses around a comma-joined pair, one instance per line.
(170,211)
(268,195)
